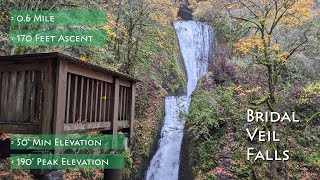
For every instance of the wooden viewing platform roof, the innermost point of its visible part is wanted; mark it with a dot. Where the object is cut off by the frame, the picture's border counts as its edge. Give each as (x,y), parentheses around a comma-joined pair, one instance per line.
(52,93)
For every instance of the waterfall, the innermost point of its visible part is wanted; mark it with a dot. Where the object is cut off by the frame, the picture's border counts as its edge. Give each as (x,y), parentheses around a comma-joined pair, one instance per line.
(196,45)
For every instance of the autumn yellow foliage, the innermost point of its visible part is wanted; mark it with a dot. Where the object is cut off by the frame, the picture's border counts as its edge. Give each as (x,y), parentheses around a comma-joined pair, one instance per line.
(275,15)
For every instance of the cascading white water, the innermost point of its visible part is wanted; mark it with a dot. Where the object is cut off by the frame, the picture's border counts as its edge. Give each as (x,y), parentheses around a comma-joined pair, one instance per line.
(196,44)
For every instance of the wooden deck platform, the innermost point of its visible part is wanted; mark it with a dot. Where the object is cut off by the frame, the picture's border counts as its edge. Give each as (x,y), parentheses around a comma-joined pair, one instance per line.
(52,93)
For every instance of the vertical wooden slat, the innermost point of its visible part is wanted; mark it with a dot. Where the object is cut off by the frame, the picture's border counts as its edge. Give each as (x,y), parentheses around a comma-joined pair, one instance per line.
(115,106)
(49,84)
(91,100)
(105,101)
(124,103)
(12,97)
(38,94)
(75,90)
(96,102)
(62,89)
(100,104)
(128,104)
(4,96)
(110,101)
(32,96)
(81,97)
(87,98)
(120,102)
(132,110)
(20,94)
(68,99)
(1,98)
(27,97)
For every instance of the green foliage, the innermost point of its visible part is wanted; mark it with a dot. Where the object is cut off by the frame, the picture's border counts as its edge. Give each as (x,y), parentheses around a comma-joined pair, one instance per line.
(308,104)
(205,126)
(313,160)
(160,61)
(201,116)
(311,94)
(207,155)
(208,111)
(211,177)
(128,161)
(87,173)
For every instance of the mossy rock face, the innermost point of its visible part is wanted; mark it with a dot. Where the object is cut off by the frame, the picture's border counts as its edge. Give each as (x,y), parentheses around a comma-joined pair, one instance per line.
(185,168)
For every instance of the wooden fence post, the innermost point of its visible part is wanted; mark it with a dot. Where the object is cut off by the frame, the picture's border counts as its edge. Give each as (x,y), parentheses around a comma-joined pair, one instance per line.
(60,101)
(132,111)
(48,98)
(115,106)
(114,174)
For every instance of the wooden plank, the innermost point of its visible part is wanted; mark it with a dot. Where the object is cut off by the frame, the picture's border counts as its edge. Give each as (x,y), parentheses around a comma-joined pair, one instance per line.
(33,96)
(105,90)
(21,128)
(75,91)
(124,103)
(4,96)
(27,97)
(123,124)
(115,106)
(60,99)
(128,105)
(38,95)
(91,100)
(92,126)
(22,67)
(132,110)
(48,98)
(124,83)
(68,98)
(20,95)
(96,102)
(100,104)
(120,103)
(89,73)
(1,98)
(11,110)
(87,98)
(81,100)
(109,99)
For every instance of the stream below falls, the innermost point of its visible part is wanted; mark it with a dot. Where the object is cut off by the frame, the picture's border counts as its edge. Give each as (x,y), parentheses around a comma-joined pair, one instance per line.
(196,47)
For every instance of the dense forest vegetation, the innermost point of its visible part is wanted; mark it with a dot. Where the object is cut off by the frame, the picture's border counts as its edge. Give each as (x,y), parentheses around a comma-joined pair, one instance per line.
(266,59)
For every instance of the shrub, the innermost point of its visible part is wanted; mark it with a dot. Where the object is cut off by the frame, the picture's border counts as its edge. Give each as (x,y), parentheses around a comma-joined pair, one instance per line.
(223,70)
(308,104)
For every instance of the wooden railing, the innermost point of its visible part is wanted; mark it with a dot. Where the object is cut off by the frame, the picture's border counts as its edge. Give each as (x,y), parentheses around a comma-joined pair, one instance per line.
(54,93)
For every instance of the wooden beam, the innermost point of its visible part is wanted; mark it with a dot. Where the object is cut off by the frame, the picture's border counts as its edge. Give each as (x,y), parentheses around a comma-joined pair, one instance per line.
(60,98)
(88,72)
(20,95)
(75,98)
(68,97)
(19,128)
(91,126)
(35,66)
(48,98)
(132,110)
(123,124)
(124,83)
(115,106)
